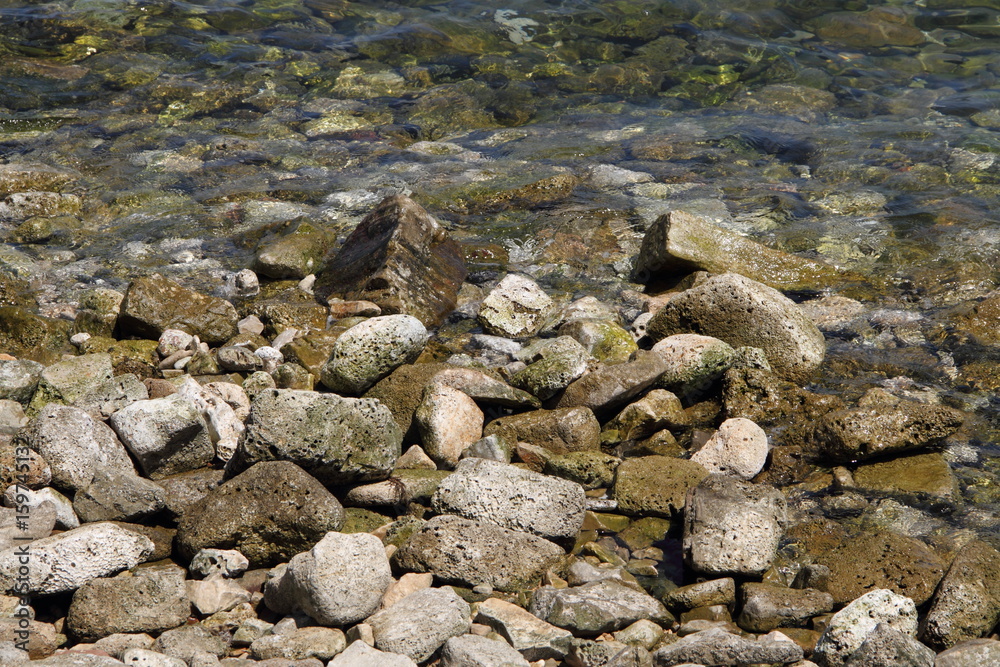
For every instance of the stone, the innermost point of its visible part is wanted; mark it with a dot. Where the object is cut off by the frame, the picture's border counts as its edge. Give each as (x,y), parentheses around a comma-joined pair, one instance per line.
(888,647)
(928,473)
(166,435)
(738,448)
(405,486)
(970,653)
(238,359)
(681,242)
(655,485)
(589,469)
(154,304)
(370,350)
(449,422)
(268,513)
(513,498)
(187,488)
(337,440)
(703,594)
(966,604)
(41,641)
(65,562)
(694,362)
(114,496)
(609,388)
(400,258)
(339,581)
(112,395)
(18,379)
(553,370)
(590,653)
(657,410)
(644,633)
(484,388)
(16,531)
(410,582)
(360,654)
(849,627)
(743,312)
(187,641)
(138,657)
(225,406)
(153,600)
(558,431)
(31,337)
(300,644)
(768,606)
(171,341)
(227,563)
(461,550)
(210,596)
(76,659)
(420,623)
(516,308)
(600,606)
(68,380)
(718,647)
(604,340)
(474,651)
(294,252)
(732,526)
(532,637)
(493,447)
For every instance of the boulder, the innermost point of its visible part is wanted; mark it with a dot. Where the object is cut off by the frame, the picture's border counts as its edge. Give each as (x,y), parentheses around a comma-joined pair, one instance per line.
(294,252)
(449,423)
(420,623)
(116,496)
(966,604)
(609,388)
(153,600)
(475,651)
(360,654)
(68,380)
(718,647)
(694,362)
(604,340)
(154,304)
(166,435)
(534,638)
(657,410)
(18,379)
(300,644)
(739,447)
(516,308)
(768,606)
(215,595)
(887,647)
(370,350)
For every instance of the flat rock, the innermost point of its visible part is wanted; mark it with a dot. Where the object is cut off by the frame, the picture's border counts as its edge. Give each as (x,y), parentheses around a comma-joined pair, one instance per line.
(966,604)
(601,606)
(269,513)
(154,304)
(153,600)
(609,388)
(558,431)
(532,637)
(370,350)
(923,473)
(768,606)
(300,644)
(655,485)
(166,435)
(461,550)
(511,497)
(719,647)
(420,623)
(516,308)
(849,627)
(114,496)
(743,312)
(475,651)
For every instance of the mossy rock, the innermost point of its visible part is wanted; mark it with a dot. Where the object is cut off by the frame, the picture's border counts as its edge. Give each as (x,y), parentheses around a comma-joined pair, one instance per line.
(645,532)
(294,252)
(591,470)
(138,357)
(29,336)
(360,520)
(918,474)
(655,485)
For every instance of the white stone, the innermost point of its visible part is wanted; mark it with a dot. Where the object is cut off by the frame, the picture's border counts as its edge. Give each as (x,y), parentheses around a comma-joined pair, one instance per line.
(210,596)
(533,637)
(474,651)
(173,340)
(739,448)
(66,517)
(516,308)
(411,582)
(139,657)
(420,623)
(449,421)
(228,563)
(850,626)
(167,435)
(360,654)
(370,350)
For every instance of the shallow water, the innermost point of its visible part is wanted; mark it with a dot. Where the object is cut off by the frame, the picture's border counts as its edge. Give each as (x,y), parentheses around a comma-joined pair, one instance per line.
(861,133)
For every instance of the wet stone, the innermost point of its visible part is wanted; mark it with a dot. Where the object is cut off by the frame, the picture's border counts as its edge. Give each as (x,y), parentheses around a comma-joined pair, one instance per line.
(655,485)
(597,607)
(155,304)
(966,604)
(769,606)
(559,431)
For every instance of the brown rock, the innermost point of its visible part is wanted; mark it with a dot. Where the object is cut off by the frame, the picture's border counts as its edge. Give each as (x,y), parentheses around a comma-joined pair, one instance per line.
(154,304)
(967,603)
(559,431)
(610,387)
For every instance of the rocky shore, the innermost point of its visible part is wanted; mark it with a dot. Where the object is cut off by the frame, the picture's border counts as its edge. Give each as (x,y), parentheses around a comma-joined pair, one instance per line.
(300,470)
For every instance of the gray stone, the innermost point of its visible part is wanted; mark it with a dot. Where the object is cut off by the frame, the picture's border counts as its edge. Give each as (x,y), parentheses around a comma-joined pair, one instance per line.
(154,304)
(657,410)
(12,418)
(66,561)
(370,350)
(516,308)
(269,513)
(211,596)
(475,651)
(732,526)
(595,608)
(339,581)
(609,388)
(511,497)
(18,379)
(138,657)
(534,638)
(849,627)
(449,422)
(65,381)
(718,647)
(966,604)
(887,647)
(166,435)
(112,395)
(703,594)
(294,253)
(239,359)
(644,633)
(461,550)
(227,563)
(551,368)
(693,362)
(589,653)
(15,531)
(559,431)
(769,606)
(743,312)
(113,496)
(493,447)
(338,440)
(187,488)
(360,654)
(970,653)
(75,446)
(311,642)
(484,388)
(739,447)
(604,340)
(153,600)
(405,486)
(77,660)
(420,623)
(187,641)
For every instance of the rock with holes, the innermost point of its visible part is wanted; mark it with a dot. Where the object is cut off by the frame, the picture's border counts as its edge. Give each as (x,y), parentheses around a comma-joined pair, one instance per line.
(370,350)
(154,304)
(851,626)
(420,623)
(738,448)
(516,308)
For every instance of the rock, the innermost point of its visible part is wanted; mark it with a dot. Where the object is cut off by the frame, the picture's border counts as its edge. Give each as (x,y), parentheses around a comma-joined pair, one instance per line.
(112,395)
(74,445)
(493,447)
(76,659)
(849,627)
(114,496)
(855,434)
(595,608)
(483,388)
(643,632)
(405,585)
(513,498)
(269,513)
(68,380)
(154,304)
(887,647)
(559,431)
(657,410)
(532,637)
(966,604)
(732,526)
(210,596)
(655,485)
(449,422)
(138,657)
(166,435)
(461,550)
(970,653)
(516,308)
(31,470)
(609,388)
(718,647)
(18,379)
(742,312)
(360,654)
(694,362)
(187,488)
(293,253)
(703,594)
(399,258)
(16,531)
(474,651)
(227,563)
(225,406)
(238,359)
(769,606)
(554,369)
(606,341)
(29,336)
(42,639)
(591,470)
(339,581)
(187,641)
(405,486)
(680,242)
(153,600)
(338,440)
(613,653)
(420,623)
(927,473)
(370,350)
(66,561)
(738,448)
(302,643)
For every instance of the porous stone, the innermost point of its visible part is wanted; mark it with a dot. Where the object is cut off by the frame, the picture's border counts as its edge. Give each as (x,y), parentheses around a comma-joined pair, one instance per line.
(493,447)
(210,596)
(269,513)
(18,379)
(608,652)
(166,435)
(511,497)
(657,410)
(768,606)
(888,647)
(609,388)
(475,651)
(927,473)
(339,581)
(554,368)
(732,526)
(300,644)
(461,550)
(66,561)
(65,381)
(718,647)
(420,623)
(849,627)
(600,606)
(449,422)
(370,350)
(558,431)
(516,308)
(153,600)
(739,447)
(655,485)
(138,657)
(591,470)
(743,312)
(532,637)
(604,340)
(114,496)
(966,604)
(338,440)
(360,654)
(227,563)
(293,252)
(970,653)
(703,594)
(188,641)
(694,362)
(238,359)
(154,304)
